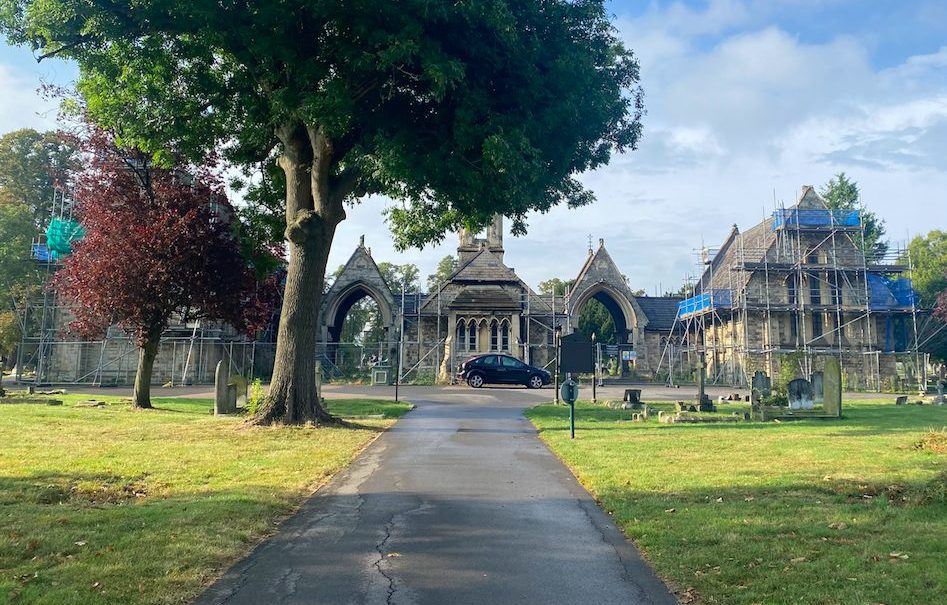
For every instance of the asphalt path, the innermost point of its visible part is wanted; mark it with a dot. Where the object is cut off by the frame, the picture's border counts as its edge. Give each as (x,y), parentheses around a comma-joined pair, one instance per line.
(459,502)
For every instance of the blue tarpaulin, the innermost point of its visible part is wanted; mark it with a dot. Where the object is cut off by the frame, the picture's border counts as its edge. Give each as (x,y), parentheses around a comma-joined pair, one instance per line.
(890,293)
(711,299)
(797,217)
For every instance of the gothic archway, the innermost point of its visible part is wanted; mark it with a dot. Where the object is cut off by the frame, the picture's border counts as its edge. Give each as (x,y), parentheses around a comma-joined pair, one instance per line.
(618,306)
(338,304)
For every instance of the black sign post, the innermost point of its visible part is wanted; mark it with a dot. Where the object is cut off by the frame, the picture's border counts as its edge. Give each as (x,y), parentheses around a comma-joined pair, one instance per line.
(575,357)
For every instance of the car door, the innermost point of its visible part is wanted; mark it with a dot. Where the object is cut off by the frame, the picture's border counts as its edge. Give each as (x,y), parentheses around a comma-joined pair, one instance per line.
(515,371)
(490,367)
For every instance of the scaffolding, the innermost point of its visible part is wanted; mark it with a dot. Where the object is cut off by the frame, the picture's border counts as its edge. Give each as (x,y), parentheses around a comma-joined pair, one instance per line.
(47,354)
(803,283)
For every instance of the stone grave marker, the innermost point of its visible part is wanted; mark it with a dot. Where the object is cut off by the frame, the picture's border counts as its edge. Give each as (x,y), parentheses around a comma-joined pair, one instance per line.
(800,394)
(761,387)
(832,387)
(225,393)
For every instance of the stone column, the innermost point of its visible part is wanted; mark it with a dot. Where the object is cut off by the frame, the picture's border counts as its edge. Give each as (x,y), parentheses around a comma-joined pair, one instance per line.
(515,337)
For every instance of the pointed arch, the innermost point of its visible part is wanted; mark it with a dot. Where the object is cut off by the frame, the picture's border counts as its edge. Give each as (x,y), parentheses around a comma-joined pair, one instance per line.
(619,306)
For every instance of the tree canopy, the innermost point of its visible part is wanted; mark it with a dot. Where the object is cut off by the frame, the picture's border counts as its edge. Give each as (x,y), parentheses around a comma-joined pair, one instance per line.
(841,193)
(32,166)
(445,268)
(928,256)
(461,110)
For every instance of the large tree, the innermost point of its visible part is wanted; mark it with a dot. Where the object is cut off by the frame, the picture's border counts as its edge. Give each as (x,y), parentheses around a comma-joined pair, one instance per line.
(457,110)
(159,244)
(33,166)
(841,193)
(17,232)
(928,258)
(445,268)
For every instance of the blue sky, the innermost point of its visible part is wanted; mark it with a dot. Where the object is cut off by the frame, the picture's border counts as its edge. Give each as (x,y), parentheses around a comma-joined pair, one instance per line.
(747,101)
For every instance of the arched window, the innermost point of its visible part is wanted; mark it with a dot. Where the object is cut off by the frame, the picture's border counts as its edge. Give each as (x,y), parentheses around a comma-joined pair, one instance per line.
(461,335)
(472,335)
(494,336)
(505,336)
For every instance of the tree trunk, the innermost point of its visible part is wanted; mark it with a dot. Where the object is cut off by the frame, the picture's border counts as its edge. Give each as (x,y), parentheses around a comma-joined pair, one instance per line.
(146,366)
(313,211)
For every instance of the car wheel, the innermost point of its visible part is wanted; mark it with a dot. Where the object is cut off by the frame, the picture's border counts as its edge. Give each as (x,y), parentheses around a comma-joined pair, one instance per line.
(535,381)
(476,381)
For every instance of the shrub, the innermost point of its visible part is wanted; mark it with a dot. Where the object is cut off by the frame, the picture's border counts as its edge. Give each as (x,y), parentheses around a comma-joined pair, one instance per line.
(255,396)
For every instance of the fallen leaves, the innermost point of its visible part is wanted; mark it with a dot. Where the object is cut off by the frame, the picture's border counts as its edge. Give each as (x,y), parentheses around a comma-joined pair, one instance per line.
(838,525)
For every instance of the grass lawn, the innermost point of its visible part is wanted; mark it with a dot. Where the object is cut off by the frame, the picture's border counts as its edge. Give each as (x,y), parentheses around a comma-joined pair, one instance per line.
(850,511)
(112,505)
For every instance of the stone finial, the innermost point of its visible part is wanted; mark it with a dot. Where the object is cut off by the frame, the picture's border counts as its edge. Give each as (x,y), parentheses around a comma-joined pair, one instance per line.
(361,241)
(601,242)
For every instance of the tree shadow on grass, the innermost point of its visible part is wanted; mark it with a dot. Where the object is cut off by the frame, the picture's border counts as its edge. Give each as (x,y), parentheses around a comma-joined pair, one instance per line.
(808,542)
(69,534)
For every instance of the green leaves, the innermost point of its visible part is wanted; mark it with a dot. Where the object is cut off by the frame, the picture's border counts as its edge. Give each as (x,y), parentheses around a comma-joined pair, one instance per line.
(456,110)
(841,193)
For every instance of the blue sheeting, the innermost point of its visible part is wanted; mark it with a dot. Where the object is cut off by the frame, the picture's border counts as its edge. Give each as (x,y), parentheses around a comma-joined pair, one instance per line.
(711,299)
(796,217)
(41,253)
(890,293)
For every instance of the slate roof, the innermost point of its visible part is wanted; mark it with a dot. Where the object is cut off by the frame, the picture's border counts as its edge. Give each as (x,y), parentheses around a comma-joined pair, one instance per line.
(484,299)
(484,267)
(660,311)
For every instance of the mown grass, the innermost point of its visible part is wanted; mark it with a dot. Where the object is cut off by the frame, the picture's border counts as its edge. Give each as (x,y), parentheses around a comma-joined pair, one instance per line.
(848,511)
(111,505)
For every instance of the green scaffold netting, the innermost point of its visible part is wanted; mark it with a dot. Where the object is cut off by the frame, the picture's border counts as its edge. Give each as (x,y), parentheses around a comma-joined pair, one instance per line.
(60,235)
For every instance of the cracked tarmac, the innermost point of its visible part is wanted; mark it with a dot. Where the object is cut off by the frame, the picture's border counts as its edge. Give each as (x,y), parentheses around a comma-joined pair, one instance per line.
(460,502)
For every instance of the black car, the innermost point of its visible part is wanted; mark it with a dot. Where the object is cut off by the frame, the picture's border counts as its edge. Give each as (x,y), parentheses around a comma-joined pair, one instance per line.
(493,368)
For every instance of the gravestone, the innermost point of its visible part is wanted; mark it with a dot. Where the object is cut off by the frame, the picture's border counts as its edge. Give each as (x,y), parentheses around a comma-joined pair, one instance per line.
(901,400)
(761,386)
(632,396)
(706,405)
(800,394)
(941,399)
(225,393)
(818,387)
(832,388)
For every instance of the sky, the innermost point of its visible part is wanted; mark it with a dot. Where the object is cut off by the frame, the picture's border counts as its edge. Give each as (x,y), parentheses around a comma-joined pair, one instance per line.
(747,101)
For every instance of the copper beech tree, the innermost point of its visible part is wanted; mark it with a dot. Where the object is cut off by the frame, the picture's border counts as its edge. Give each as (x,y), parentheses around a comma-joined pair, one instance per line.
(159,245)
